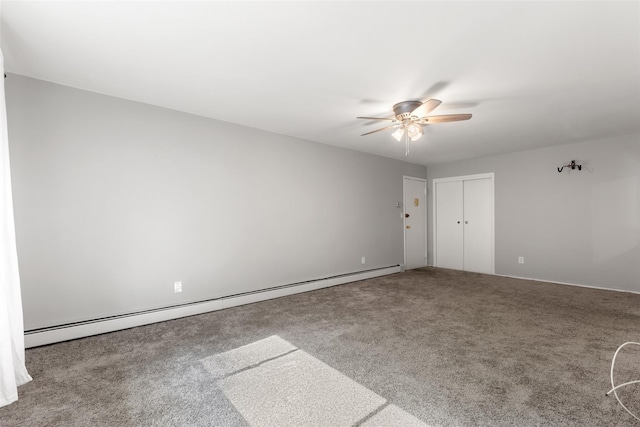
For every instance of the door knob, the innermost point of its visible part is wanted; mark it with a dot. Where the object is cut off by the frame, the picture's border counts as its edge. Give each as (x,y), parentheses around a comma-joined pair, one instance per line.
(406,215)
(458,222)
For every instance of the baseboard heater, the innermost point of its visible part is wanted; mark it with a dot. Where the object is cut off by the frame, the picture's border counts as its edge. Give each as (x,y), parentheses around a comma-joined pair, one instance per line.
(70,331)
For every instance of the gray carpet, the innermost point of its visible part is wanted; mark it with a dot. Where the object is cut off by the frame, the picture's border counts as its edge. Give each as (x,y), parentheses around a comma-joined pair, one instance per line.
(448,347)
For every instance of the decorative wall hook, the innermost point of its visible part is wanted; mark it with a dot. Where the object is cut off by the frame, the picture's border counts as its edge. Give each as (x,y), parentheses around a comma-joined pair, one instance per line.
(571,165)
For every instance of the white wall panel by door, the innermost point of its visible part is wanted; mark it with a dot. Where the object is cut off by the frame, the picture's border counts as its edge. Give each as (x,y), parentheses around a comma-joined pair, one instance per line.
(464,223)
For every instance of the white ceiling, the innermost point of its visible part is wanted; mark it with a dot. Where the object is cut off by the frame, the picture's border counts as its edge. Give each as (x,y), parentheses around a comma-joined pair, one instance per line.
(533,74)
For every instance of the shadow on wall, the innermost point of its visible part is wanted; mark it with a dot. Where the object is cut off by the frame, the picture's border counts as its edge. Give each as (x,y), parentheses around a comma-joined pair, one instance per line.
(614,217)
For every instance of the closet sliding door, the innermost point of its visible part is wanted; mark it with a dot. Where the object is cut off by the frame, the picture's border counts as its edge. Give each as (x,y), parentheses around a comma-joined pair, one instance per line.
(448,230)
(464,222)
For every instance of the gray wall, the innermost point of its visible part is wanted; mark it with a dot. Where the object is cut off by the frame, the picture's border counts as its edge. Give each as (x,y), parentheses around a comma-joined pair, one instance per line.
(580,227)
(116,200)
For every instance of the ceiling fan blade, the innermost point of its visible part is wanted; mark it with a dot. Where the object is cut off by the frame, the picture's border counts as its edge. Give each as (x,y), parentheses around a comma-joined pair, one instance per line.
(377,118)
(448,118)
(426,108)
(381,129)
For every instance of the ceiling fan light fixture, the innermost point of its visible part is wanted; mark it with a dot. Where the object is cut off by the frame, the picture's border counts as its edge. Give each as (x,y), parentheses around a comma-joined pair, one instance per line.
(415,131)
(410,116)
(398,134)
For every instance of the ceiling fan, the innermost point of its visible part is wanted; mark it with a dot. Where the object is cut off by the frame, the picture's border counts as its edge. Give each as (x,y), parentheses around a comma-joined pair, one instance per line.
(409,118)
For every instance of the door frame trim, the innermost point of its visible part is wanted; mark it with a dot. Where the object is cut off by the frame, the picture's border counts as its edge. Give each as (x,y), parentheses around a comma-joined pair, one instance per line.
(489,175)
(404,218)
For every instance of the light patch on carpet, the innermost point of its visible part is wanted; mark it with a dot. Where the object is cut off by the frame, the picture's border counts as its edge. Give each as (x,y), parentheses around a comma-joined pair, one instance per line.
(231,361)
(270,384)
(393,416)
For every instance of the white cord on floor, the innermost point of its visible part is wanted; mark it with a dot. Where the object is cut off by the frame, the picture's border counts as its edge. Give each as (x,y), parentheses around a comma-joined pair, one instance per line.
(616,387)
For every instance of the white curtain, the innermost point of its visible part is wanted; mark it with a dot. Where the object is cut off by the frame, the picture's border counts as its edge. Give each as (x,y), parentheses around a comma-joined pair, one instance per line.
(13,371)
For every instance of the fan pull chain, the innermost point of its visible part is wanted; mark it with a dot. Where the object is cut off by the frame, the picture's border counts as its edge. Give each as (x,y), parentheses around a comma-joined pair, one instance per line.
(406,142)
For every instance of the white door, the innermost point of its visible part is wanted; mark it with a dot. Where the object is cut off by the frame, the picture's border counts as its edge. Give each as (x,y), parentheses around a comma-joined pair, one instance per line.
(449,228)
(463,223)
(478,225)
(415,222)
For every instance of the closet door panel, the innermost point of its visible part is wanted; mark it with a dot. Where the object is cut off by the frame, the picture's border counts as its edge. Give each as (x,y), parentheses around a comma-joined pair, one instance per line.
(449,227)
(478,225)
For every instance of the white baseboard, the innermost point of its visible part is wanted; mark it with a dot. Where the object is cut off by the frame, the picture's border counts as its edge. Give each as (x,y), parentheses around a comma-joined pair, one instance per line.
(101,326)
(567,284)
(305,287)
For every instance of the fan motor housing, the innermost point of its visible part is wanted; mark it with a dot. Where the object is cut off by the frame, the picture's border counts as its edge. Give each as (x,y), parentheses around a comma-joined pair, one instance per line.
(403,109)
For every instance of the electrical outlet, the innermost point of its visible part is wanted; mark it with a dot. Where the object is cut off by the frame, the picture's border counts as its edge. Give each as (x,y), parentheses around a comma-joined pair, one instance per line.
(520,260)
(177,287)
(363,260)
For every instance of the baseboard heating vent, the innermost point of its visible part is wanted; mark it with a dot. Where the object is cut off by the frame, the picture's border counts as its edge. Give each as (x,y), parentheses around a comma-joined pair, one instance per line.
(70,331)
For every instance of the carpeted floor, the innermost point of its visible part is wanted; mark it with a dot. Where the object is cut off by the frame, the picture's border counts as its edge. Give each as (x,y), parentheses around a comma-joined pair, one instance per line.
(448,347)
